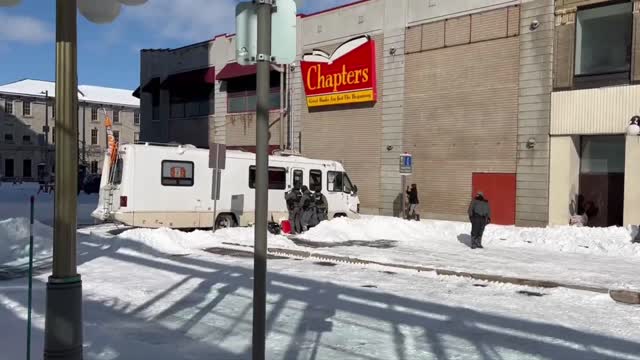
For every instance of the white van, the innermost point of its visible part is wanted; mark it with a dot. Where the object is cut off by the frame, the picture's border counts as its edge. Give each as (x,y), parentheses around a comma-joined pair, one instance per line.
(171,186)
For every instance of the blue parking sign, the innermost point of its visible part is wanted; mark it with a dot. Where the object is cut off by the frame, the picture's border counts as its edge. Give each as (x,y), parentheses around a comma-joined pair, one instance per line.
(406,163)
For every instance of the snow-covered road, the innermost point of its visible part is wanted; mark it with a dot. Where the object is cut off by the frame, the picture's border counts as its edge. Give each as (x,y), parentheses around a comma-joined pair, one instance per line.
(139,305)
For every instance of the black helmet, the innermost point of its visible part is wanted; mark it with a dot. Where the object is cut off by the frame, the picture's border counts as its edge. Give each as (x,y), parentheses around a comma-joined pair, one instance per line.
(305,188)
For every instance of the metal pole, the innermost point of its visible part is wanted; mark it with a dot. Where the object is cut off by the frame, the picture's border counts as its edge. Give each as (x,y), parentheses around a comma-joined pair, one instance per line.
(216,177)
(30,296)
(84,134)
(63,322)
(262,175)
(282,87)
(46,131)
(403,212)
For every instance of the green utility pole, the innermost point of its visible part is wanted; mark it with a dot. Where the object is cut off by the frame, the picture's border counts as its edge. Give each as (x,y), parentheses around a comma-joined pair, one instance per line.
(63,323)
(262,177)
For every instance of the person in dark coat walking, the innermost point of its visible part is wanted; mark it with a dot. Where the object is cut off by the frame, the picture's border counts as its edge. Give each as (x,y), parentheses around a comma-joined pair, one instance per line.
(412,194)
(322,207)
(292,197)
(480,216)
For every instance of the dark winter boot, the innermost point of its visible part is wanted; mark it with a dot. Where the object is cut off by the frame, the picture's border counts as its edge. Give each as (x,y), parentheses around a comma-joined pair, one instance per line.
(479,244)
(473,243)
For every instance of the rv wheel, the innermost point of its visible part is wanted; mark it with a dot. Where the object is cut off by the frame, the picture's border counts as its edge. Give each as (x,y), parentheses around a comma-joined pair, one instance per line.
(225,221)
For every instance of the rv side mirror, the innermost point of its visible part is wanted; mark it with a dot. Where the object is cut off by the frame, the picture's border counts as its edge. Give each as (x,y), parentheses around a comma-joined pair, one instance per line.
(355,190)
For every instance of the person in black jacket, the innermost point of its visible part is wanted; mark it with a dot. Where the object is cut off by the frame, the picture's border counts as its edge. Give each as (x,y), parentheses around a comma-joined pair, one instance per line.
(292,198)
(412,194)
(480,216)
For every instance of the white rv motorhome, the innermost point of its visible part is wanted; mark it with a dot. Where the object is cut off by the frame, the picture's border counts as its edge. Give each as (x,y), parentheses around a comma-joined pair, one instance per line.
(171,186)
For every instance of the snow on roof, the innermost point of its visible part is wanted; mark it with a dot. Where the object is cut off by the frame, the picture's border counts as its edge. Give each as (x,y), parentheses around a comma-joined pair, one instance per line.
(88,93)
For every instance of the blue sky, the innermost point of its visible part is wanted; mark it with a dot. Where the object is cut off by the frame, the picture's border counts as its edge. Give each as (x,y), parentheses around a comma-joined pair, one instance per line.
(108,55)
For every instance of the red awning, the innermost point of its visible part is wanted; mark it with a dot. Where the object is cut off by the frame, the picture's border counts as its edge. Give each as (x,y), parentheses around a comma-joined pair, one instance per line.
(200,76)
(235,70)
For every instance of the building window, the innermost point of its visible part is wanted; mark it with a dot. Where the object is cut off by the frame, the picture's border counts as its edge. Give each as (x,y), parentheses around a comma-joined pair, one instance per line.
(53,110)
(26,168)
(116,135)
(93,167)
(603,40)
(177,173)
(53,135)
(155,104)
(26,108)
(8,106)
(136,137)
(94,136)
(94,114)
(277,178)
(26,139)
(191,101)
(8,168)
(241,93)
(245,101)
(8,138)
(116,116)
(136,118)
(315,180)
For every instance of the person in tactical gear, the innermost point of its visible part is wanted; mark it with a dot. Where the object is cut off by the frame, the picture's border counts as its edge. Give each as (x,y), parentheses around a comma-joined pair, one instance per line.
(480,216)
(307,208)
(292,197)
(322,206)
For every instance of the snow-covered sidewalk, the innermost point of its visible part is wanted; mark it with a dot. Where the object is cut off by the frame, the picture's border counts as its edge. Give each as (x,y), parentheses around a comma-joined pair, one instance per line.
(139,304)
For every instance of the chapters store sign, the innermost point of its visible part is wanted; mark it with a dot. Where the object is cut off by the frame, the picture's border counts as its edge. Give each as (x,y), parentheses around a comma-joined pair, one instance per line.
(347,76)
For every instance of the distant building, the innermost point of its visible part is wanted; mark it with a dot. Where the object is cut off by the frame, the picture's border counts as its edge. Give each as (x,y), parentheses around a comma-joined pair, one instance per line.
(27,106)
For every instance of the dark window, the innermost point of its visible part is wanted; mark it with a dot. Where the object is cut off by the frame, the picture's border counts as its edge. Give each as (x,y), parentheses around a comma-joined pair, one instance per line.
(334,181)
(26,168)
(177,173)
(26,108)
(241,93)
(94,167)
(191,101)
(8,138)
(277,178)
(136,118)
(116,135)
(117,175)
(94,136)
(603,40)
(53,110)
(297,178)
(155,104)
(26,139)
(315,180)
(53,135)
(94,114)
(347,186)
(116,116)
(8,168)
(8,106)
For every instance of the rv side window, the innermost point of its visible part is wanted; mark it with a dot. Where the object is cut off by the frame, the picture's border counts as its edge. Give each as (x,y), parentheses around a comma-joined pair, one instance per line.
(348,187)
(297,179)
(117,172)
(177,173)
(315,180)
(277,178)
(334,181)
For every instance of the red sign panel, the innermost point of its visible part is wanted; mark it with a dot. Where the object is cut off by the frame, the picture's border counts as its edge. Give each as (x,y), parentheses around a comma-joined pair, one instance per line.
(345,77)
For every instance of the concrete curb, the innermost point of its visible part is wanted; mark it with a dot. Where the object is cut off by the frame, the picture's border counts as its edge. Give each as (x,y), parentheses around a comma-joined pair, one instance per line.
(622,296)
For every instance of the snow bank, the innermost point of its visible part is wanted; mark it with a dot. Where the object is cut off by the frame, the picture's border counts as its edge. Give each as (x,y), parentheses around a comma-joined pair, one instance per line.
(175,242)
(14,241)
(425,234)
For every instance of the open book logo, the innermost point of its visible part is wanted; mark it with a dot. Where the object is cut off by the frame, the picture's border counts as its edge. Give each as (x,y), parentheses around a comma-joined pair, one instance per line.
(322,57)
(348,75)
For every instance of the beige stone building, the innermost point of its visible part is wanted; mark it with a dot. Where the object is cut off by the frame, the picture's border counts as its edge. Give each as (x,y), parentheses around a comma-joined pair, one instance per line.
(594,164)
(486,95)
(27,126)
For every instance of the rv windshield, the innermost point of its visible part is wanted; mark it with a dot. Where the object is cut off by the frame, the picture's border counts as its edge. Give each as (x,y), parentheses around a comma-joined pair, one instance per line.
(117,172)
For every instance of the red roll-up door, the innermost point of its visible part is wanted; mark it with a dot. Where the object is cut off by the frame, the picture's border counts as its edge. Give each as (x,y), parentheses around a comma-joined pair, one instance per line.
(500,190)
